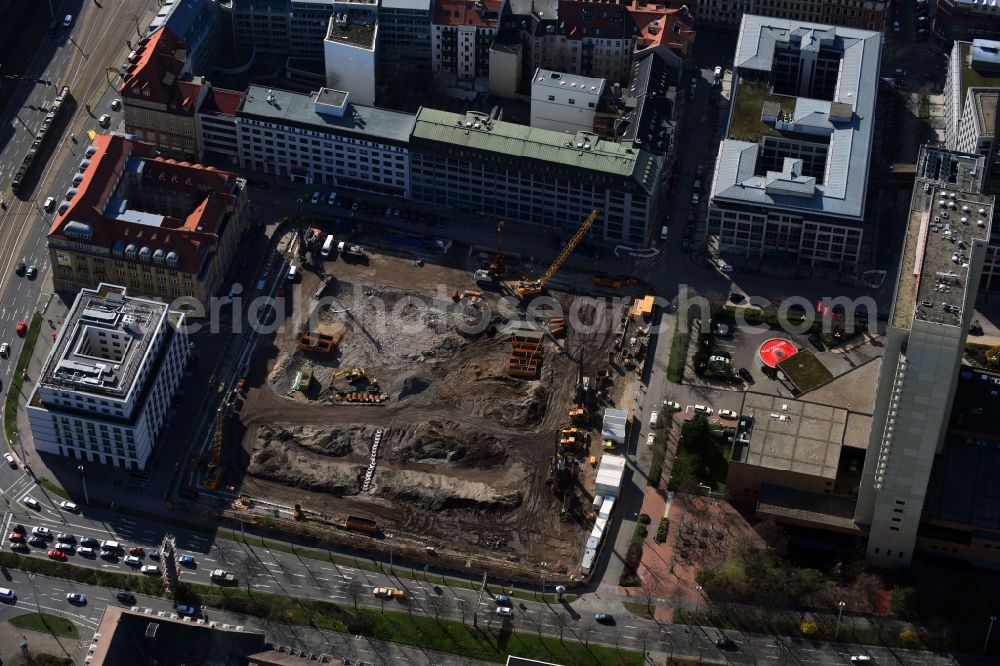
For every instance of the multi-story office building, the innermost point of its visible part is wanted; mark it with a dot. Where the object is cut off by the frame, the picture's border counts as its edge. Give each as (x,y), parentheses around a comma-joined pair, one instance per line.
(325,138)
(405,32)
(215,123)
(276,30)
(966,20)
(860,14)
(196,23)
(535,176)
(791,178)
(161,95)
(943,253)
(162,228)
(105,390)
(972,91)
(349,55)
(592,39)
(462,32)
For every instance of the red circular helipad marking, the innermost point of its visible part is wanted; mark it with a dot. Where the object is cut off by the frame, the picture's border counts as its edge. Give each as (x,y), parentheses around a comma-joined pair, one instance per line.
(776,350)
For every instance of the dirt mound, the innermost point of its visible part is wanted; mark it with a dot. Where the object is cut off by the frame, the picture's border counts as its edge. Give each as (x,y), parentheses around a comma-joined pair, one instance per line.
(409,385)
(435,492)
(297,467)
(438,442)
(528,411)
(342,441)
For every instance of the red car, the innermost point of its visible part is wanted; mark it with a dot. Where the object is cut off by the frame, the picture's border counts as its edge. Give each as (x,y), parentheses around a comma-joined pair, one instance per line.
(57,555)
(21,328)
(137,551)
(15,536)
(242,384)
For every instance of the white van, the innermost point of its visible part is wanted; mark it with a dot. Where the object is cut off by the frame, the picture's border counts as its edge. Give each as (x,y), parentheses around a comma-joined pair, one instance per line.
(6,594)
(327,246)
(67,20)
(653,419)
(663,233)
(293,273)
(110,545)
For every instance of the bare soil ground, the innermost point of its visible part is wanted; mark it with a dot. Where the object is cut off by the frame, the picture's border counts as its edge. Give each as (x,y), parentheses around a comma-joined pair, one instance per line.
(464,460)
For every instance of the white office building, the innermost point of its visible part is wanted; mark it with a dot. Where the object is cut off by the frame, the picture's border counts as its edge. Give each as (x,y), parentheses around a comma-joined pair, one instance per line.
(349,55)
(564,102)
(104,393)
(791,178)
(324,138)
(943,253)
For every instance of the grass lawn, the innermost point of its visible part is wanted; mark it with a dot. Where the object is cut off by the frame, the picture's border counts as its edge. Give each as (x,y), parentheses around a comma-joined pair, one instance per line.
(14,388)
(805,371)
(749,98)
(491,641)
(678,355)
(46,624)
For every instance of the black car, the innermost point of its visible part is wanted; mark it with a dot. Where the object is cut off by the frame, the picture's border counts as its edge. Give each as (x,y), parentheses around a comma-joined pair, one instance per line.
(20,547)
(736,297)
(604,618)
(126,598)
(109,555)
(725,643)
(19,528)
(21,269)
(975,328)
(815,341)
(745,375)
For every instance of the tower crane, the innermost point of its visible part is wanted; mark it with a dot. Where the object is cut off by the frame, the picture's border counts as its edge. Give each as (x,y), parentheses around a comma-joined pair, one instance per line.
(527,288)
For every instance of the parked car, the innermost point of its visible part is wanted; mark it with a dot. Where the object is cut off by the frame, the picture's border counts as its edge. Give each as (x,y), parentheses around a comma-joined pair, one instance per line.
(126,598)
(76,598)
(604,618)
(4,349)
(20,547)
(745,375)
(186,560)
(57,555)
(31,273)
(332,199)
(505,611)
(132,561)
(14,536)
(20,268)
(86,552)
(151,569)
(502,599)
(31,502)
(650,440)
(670,404)
(727,414)
(90,542)
(49,205)
(109,554)
(104,121)
(695,198)
(43,532)
(65,538)
(702,409)
(315,198)
(21,328)
(69,506)
(9,459)
(19,528)
(38,542)
(64,547)
(861,659)
(137,551)
(116,105)
(816,342)
(184,609)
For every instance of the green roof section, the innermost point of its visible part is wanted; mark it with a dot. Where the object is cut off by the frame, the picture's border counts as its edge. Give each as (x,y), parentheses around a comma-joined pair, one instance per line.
(582,150)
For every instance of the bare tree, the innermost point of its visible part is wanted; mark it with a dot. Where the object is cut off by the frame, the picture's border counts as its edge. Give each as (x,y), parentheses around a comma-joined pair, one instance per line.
(437,605)
(560,621)
(354,590)
(649,596)
(643,637)
(587,630)
(249,568)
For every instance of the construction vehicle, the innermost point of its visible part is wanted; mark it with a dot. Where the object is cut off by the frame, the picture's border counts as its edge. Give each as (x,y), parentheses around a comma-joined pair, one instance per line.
(578,414)
(363,525)
(347,250)
(606,281)
(353,374)
(214,470)
(223,577)
(608,445)
(390,593)
(527,288)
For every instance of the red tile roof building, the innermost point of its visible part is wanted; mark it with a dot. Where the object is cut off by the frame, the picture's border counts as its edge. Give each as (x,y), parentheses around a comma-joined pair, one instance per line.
(592,39)
(160,227)
(461,35)
(163,99)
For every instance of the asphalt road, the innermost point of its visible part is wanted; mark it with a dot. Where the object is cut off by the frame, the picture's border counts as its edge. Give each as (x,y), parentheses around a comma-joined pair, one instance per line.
(77,57)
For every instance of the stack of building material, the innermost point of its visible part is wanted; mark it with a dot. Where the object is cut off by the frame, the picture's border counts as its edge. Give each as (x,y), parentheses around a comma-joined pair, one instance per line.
(526,354)
(556,326)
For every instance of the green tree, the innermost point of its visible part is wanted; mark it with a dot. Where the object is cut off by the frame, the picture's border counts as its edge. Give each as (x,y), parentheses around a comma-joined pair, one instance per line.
(903,602)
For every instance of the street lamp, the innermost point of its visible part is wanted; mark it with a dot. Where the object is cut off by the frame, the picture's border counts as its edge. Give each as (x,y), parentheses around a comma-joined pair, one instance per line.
(86,497)
(698,589)
(840,612)
(993,618)
(389,537)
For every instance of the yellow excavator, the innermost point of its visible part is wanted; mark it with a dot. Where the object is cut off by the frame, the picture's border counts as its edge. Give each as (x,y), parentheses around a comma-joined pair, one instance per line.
(353,374)
(527,288)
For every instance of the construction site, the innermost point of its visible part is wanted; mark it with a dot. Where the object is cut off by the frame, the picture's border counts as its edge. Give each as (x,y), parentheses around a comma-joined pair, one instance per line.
(422,401)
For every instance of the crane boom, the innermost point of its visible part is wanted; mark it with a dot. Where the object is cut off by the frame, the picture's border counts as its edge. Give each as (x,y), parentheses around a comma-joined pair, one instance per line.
(532,288)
